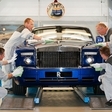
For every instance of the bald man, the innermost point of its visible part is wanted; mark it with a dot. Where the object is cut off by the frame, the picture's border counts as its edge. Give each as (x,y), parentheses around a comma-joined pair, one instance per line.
(103,30)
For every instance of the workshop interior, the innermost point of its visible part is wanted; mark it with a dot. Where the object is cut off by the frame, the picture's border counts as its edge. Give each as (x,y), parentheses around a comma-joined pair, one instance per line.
(53,55)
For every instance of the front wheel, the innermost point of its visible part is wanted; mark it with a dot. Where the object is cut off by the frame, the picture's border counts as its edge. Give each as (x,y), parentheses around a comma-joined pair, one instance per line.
(18,90)
(97,90)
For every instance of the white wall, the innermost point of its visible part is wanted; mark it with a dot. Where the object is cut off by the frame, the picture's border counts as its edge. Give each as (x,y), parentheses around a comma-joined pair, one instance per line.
(77,12)
(73,7)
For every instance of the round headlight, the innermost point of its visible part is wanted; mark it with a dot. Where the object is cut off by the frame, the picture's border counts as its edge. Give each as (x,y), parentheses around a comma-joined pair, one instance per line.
(28,60)
(90,60)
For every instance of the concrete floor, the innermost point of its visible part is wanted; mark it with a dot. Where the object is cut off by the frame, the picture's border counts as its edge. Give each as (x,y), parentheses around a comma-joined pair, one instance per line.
(58,109)
(82,107)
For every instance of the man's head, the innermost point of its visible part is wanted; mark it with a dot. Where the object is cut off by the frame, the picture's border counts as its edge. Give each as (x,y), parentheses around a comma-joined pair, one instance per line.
(101,28)
(29,23)
(2,53)
(104,52)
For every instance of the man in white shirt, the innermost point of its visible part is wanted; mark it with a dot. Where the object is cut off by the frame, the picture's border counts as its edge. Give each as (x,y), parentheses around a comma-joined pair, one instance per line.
(106,78)
(5,77)
(18,37)
(103,30)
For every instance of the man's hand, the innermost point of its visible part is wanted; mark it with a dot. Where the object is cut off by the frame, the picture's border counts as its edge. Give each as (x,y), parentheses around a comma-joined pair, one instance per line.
(13,58)
(100,78)
(46,41)
(97,67)
(18,71)
(30,41)
(102,44)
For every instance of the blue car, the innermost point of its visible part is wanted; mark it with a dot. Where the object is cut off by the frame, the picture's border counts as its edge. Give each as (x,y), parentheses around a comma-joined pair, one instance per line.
(61,58)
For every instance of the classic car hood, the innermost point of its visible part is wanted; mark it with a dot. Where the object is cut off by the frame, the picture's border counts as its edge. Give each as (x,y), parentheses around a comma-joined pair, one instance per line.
(63,44)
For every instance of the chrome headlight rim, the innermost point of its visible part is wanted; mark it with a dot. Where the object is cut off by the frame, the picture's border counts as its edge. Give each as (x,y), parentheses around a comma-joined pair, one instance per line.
(27,60)
(89,60)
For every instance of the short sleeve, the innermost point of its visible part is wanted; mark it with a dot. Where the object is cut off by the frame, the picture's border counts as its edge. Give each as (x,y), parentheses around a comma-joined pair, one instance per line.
(111,38)
(26,34)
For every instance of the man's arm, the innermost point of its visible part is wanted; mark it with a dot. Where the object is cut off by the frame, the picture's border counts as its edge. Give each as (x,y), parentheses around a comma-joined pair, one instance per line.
(36,37)
(4,62)
(109,43)
(5,76)
(10,76)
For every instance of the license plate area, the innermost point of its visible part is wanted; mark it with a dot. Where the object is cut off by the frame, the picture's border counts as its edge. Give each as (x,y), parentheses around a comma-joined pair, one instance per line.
(58,74)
